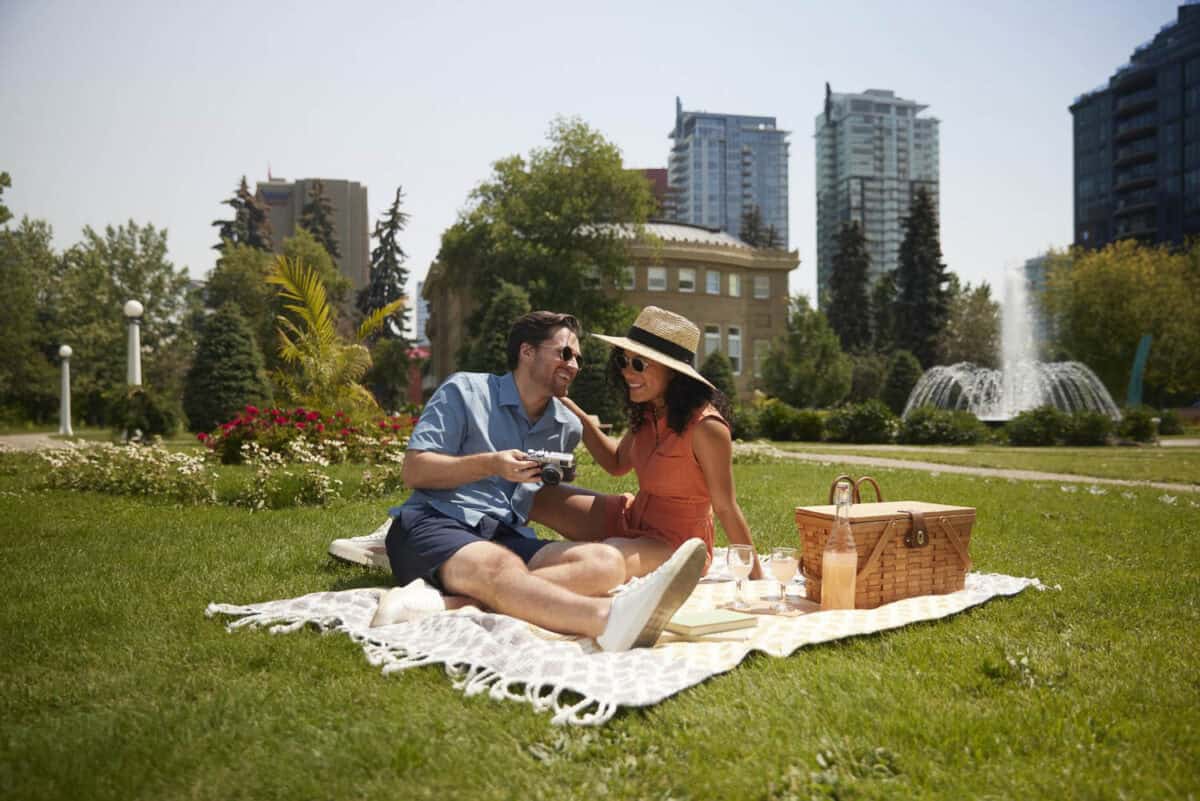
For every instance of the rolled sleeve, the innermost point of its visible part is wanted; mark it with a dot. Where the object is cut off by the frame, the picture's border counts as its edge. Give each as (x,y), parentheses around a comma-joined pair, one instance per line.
(442,426)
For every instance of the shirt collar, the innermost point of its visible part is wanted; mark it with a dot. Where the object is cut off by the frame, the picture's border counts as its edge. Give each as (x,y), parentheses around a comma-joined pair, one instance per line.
(510,397)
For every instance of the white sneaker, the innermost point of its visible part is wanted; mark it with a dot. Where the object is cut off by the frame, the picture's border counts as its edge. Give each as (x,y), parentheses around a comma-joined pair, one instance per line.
(413,601)
(369,550)
(639,614)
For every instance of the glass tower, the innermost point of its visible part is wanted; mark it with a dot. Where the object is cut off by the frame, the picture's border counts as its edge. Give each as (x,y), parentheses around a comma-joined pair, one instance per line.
(873,152)
(723,165)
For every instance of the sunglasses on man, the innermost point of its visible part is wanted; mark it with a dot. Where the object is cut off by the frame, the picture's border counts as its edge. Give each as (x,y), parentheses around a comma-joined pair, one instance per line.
(566,354)
(638,363)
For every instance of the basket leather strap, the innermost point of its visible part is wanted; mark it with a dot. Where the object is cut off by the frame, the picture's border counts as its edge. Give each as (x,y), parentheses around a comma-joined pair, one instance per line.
(948,530)
(874,557)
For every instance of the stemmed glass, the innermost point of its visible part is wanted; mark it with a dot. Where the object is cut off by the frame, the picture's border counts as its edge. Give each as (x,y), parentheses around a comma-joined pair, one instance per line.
(740,561)
(783,567)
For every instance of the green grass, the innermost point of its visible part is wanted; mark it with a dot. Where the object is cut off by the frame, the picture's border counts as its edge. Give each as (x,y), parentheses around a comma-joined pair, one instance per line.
(1176,464)
(113,684)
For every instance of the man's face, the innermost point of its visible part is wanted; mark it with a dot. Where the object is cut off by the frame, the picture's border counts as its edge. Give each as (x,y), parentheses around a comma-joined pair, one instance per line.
(547,367)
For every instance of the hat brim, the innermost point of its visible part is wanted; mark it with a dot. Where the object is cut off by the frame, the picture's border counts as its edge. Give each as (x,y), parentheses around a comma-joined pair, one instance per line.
(650,353)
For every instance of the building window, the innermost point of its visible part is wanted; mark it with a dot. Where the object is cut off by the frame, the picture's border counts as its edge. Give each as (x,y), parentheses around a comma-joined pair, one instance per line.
(762,287)
(735,285)
(629,277)
(712,339)
(761,348)
(656,279)
(713,282)
(687,279)
(733,341)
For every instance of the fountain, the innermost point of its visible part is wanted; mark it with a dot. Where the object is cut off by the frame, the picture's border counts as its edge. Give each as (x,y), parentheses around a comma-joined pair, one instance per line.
(1021,383)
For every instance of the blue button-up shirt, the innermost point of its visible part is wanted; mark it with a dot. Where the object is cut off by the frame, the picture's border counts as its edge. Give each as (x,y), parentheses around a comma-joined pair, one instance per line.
(481,413)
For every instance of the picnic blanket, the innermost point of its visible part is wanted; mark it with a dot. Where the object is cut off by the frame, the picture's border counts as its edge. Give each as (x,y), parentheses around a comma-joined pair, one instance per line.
(569,676)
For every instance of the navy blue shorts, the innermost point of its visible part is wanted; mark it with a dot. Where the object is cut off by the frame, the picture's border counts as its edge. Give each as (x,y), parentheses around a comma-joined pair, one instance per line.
(421,540)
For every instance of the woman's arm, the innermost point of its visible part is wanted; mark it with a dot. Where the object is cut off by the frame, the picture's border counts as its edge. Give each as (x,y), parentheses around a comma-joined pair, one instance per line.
(610,453)
(714,451)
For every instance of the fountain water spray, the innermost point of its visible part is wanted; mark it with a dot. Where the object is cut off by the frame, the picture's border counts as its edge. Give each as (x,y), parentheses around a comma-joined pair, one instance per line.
(1021,383)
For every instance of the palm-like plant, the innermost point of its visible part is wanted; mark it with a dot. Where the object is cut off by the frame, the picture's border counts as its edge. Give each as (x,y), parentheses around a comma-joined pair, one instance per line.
(326,370)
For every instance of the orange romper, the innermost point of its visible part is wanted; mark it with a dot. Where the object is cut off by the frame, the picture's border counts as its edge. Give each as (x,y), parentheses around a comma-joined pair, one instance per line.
(672,503)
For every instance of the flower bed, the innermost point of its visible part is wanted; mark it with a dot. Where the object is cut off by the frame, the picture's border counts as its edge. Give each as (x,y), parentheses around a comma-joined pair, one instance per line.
(308,436)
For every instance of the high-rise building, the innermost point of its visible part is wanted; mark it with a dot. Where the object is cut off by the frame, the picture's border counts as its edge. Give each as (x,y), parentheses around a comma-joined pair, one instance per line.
(874,151)
(1137,143)
(286,200)
(723,165)
(666,204)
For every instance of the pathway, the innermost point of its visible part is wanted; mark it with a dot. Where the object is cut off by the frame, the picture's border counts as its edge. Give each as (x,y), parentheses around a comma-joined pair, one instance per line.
(935,467)
(30,442)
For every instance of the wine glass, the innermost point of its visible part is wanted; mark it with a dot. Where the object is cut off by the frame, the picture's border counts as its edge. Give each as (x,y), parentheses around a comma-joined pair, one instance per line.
(740,561)
(783,567)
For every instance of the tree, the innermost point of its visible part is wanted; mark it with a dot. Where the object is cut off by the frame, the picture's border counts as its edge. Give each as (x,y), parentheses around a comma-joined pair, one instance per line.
(240,278)
(28,385)
(488,352)
(305,248)
(772,240)
(972,332)
(83,302)
(321,370)
(592,389)
(251,223)
(227,372)
(388,377)
(849,310)
(555,224)
(866,380)
(883,313)
(903,373)
(388,275)
(1103,301)
(921,300)
(718,369)
(5,183)
(752,231)
(806,367)
(317,218)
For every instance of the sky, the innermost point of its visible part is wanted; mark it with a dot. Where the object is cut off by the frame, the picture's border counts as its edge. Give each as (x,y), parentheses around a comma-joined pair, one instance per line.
(152,111)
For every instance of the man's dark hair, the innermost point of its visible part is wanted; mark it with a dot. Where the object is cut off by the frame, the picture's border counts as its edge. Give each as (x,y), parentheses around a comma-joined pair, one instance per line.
(535,328)
(684,396)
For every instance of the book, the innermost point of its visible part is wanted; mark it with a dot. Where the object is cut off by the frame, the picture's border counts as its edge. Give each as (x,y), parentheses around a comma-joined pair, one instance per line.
(698,622)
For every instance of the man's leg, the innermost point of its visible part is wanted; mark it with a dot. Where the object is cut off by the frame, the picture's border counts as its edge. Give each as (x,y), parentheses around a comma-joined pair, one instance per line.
(642,555)
(588,568)
(499,579)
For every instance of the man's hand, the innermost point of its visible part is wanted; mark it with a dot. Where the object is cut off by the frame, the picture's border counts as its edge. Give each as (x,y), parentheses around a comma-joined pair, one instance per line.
(515,465)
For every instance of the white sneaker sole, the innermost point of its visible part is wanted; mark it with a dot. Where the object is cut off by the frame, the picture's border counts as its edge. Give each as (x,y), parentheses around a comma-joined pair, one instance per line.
(678,591)
(369,550)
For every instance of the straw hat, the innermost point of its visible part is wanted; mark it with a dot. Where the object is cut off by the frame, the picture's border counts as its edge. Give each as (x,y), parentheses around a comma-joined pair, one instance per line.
(665,337)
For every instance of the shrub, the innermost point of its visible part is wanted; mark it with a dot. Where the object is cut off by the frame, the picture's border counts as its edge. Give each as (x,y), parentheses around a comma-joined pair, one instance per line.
(150,471)
(866,379)
(1088,428)
(746,422)
(1043,426)
(785,423)
(718,369)
(1169,422)
(903,373)
(140,413)
(303,435)
(864,422)
(932,426)
(1137,424)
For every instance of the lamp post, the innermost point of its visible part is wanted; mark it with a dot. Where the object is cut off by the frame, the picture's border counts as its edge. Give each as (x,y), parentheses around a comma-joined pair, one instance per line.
(64,406)
(133,313)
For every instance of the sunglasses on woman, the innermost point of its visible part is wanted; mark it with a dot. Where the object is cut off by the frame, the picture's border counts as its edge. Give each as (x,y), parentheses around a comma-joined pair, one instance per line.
(638,363)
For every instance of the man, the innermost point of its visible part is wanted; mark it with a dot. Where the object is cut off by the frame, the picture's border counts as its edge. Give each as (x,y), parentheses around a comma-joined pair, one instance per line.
(464,529)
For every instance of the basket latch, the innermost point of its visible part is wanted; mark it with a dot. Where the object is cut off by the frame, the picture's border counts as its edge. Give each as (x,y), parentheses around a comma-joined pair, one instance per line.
(918,532)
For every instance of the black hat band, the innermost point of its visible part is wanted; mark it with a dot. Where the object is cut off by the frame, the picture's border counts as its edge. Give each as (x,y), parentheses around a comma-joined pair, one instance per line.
(666,346)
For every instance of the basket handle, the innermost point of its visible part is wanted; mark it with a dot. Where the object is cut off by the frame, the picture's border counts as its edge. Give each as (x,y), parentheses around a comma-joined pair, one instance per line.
(855,487)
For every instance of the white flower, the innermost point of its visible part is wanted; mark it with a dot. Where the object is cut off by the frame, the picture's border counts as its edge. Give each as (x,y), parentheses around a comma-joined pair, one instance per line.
(1169,500)
(1068,487)
(1094,490)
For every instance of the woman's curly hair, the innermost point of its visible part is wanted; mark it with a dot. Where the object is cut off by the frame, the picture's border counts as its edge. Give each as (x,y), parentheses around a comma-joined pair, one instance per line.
(685,395)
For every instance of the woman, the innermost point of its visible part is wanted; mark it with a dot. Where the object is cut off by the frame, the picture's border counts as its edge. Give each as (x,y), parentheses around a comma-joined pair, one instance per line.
(678,443)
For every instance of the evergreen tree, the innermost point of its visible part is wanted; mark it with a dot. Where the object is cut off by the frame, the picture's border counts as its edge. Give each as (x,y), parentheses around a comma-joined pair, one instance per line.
(251,224)
(883,313)
(903,372)
(488,352)
(317,218)
(849,310)
(806,367)
(5,183)
(718,369)
(388,377)
(240,278)
(388,274)
(752,231)
(921,296)
(227,373)
(772,240)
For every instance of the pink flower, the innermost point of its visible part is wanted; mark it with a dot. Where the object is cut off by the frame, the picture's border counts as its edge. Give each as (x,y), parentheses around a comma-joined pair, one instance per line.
(320,427)
(383,423)
(300,426)
(280,421)
(313,416)
(345,432)
(252,411)
(395,426)
(202,436)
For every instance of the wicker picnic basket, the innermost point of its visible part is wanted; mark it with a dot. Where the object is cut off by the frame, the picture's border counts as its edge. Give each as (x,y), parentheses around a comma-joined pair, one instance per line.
(905,548)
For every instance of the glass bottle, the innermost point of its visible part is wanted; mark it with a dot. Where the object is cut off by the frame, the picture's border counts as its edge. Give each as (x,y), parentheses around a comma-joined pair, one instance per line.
(839,562)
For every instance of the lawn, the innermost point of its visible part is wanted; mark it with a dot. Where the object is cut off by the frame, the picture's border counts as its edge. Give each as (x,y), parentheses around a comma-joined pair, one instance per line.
(1148,463)
(113,684)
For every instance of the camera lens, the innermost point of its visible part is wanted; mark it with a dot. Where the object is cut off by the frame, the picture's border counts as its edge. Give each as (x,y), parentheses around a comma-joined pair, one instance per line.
(551,474)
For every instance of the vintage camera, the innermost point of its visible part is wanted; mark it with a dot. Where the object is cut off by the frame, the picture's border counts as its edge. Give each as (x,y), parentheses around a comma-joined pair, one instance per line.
(556,467)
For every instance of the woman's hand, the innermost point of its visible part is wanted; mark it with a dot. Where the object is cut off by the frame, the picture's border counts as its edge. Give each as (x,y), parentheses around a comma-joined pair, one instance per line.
(583,416)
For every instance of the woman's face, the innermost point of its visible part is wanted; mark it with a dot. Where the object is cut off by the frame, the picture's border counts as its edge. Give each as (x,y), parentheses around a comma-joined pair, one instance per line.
(648,385)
